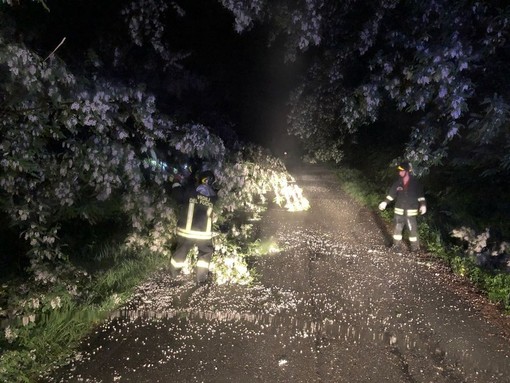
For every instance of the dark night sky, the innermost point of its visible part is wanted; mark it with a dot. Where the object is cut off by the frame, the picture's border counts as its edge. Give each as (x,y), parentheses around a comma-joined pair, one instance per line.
(252,77)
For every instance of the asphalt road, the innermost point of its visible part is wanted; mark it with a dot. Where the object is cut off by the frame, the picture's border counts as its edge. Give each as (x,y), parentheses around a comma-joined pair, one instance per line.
(334,305)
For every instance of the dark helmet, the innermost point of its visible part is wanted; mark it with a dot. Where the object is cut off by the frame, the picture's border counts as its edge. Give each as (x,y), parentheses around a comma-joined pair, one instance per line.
(206,177)
(405,165)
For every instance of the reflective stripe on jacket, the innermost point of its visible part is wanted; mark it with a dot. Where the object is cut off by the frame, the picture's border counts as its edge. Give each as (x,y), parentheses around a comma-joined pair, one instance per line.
(407,198)
(196,221)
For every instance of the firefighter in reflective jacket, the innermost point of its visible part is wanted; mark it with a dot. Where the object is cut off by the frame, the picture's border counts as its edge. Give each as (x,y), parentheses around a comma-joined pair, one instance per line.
(194,225)
(407,193)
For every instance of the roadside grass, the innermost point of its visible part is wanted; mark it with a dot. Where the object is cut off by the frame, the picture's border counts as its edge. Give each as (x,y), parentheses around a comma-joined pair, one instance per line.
(495,284)
(49,340)
(64,318)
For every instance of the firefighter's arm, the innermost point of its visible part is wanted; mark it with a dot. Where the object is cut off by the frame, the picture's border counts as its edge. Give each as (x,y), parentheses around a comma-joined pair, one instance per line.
(421,200)
(392,193)
(389,198)
(385,203)
(423,205)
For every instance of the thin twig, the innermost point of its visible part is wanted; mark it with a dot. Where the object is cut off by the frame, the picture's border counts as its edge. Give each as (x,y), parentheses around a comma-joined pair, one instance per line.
(44,5)
(54,50)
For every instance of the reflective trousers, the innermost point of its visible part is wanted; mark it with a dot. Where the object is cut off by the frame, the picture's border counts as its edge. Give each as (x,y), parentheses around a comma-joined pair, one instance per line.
(410,223)
(205,252)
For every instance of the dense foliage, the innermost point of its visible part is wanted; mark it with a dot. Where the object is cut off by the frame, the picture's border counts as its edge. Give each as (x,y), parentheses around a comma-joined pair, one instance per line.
(440,63)
(96,97)
(391,79)
(76,138)
(86,158)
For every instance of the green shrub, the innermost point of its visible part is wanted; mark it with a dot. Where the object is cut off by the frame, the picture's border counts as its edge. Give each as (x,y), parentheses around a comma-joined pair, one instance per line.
(498,288)
(62,320)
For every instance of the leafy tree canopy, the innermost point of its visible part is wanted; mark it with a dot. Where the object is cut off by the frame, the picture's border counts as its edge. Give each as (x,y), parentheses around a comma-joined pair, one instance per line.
(91,87)
(91,97)
(439,64)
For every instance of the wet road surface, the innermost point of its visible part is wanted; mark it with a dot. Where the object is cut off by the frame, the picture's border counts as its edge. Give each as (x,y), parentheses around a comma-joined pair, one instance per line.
(334,305)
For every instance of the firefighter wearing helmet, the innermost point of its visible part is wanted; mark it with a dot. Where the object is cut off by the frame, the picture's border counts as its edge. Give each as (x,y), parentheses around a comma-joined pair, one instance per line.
(194,225)
(407,193)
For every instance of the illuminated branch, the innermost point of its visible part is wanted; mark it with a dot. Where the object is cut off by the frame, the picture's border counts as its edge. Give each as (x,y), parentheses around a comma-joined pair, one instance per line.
(54,50)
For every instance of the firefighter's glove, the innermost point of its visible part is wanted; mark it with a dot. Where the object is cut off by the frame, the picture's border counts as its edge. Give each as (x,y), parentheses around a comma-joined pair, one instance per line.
(383,205)
(423,209)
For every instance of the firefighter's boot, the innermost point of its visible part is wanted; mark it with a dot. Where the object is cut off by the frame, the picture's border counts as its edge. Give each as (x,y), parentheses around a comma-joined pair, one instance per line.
(397,247)
(175,268)
(202,271)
